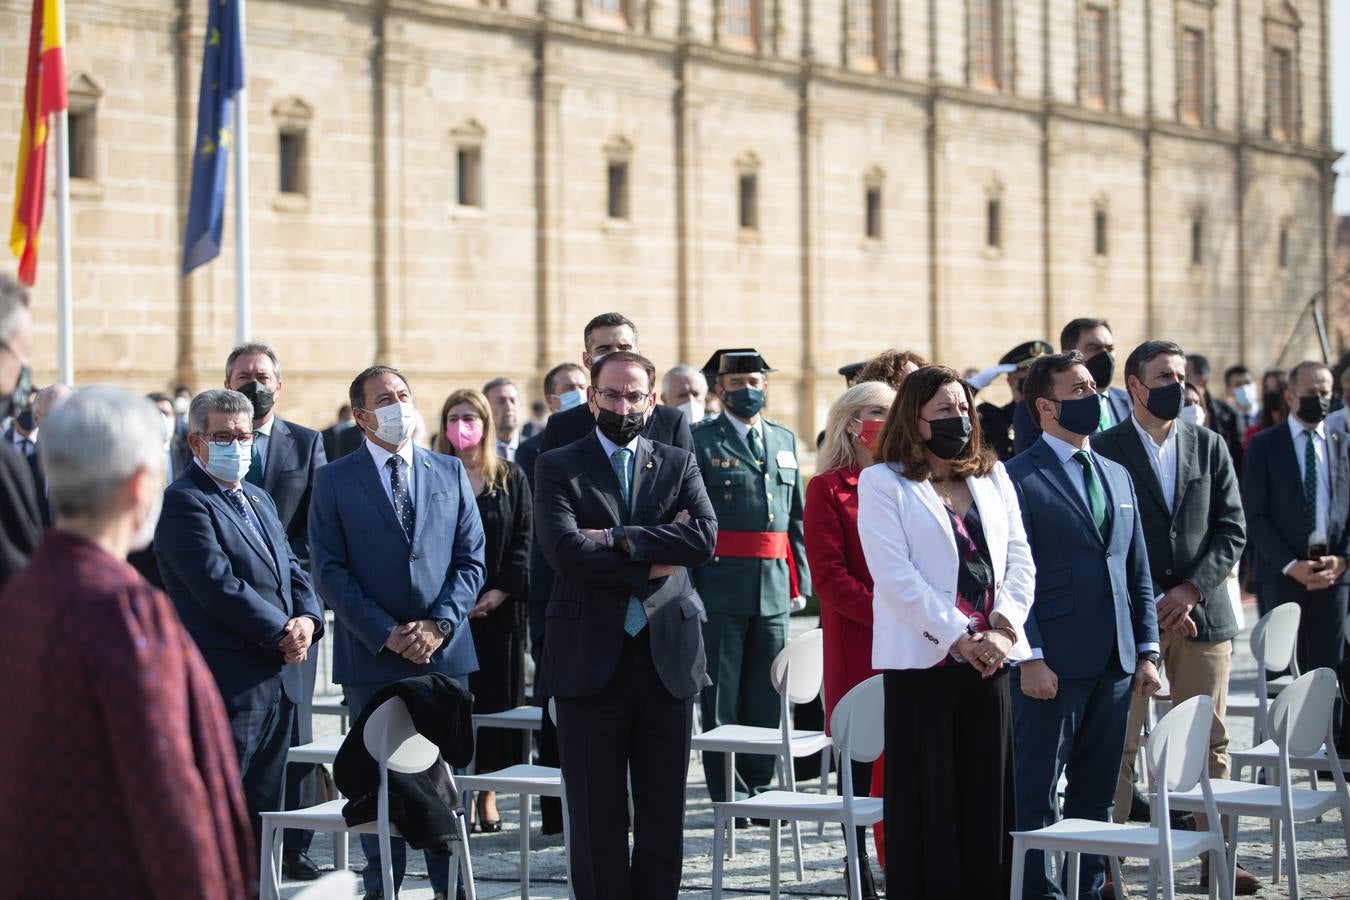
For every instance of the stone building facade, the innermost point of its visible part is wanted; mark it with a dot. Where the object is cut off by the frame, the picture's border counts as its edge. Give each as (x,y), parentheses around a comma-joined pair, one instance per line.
(456,187)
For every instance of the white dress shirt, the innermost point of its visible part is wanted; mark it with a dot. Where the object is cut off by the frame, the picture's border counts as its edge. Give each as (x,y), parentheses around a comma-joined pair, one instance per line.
(1065,452)
(381,456)
(1163,458)
(1300,433)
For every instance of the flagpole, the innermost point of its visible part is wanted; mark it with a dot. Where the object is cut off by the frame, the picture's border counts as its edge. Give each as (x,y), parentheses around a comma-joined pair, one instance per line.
(65,358)
(242,302)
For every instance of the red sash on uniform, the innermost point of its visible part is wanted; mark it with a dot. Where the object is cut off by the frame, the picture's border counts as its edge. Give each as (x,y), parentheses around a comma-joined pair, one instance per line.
(759,545)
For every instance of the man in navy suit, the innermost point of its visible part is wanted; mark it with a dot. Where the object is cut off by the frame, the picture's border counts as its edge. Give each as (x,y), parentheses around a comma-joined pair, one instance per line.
(397,551)
(239,590)
(622,520)
(1296,490)
(1093,628)
(1094,342)
(283,461)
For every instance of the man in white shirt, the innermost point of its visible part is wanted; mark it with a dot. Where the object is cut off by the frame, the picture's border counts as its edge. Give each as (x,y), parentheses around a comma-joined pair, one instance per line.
(1191,510)
(504,398)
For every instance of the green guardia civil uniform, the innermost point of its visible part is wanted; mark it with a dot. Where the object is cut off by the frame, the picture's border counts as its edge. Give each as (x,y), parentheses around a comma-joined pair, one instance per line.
(746,590)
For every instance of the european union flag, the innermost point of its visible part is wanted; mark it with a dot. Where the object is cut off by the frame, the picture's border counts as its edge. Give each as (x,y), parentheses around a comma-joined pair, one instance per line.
(222,78)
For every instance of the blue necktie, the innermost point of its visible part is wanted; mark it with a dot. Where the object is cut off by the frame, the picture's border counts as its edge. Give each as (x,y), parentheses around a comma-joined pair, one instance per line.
(635,618)
(398,488)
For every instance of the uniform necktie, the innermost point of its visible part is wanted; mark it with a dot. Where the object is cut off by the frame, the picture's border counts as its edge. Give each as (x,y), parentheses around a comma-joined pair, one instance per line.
(250,518)
(1095,496)
(756,449)
(1104,420)
(1310,480)
(255,464)
(398,488)
(635,617)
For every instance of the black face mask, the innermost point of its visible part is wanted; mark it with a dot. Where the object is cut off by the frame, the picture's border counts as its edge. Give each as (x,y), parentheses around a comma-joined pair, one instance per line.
(1313,408)
(1271,400)
(1166,402)
(620,429)
(261,398)
(950,436)
(1102,368)
(26,420)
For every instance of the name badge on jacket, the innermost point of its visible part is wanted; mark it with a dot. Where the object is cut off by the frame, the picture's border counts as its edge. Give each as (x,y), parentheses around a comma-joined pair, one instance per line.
(786,460)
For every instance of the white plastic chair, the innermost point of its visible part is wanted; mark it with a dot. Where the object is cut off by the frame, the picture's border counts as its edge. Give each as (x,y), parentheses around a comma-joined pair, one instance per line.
(341,885)
(394,744)
(526,781)
(525,719)
(1177,756)
(331,705)
(858,733)
(1301,722)
(797,674)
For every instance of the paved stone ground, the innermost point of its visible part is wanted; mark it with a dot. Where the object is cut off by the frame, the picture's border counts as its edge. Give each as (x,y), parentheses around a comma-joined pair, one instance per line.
(1323,867)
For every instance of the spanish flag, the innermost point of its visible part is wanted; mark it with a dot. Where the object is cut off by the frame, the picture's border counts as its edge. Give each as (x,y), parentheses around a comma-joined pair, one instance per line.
(44,93)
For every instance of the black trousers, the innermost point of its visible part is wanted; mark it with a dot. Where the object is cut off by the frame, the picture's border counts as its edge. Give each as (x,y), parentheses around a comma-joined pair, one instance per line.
(949,786)
(302,780)
(261,738)
(550,808)
(632,725)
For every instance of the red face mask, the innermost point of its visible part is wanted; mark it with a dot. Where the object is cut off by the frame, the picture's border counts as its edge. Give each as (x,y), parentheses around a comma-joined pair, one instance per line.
(871,430)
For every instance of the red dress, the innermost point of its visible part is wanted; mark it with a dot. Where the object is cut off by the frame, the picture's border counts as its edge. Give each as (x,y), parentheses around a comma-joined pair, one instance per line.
(119,773)
(842,582)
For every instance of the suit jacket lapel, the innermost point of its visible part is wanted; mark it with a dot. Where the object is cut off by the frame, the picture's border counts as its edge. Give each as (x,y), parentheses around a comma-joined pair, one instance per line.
(369,478)
(602,474)
(1053,471)
(280,452)
(223,505)
(1188,465)
(646,469)
(1291,464)
(1142,466)
(733,441)
(1335,455)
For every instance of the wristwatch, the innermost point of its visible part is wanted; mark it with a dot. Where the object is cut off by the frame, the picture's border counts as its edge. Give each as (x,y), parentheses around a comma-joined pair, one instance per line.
(444,627)
(1152,656)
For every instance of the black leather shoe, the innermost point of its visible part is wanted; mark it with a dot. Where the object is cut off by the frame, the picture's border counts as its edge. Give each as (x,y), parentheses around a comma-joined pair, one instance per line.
(762,823)
(299,867)
(1139,811)
(742,822)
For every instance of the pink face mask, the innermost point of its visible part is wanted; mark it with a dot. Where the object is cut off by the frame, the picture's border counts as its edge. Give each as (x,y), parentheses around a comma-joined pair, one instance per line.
(464,434)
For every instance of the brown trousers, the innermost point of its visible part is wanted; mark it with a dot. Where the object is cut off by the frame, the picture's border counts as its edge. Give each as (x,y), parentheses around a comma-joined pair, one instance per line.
(1194,668)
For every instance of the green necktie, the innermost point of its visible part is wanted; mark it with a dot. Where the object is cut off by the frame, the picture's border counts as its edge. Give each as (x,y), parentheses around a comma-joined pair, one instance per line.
(1104,421)
(1095,495)
(255,465)
(752,439)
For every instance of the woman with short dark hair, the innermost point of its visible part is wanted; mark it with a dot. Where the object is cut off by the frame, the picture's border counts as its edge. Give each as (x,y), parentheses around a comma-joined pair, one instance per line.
(953,583)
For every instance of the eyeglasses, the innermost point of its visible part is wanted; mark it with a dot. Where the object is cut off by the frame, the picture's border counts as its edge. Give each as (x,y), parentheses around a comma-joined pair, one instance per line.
(226,438)
(613,397)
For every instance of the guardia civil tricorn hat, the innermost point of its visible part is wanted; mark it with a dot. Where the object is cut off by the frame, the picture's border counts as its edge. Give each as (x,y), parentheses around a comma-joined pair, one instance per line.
(742,362)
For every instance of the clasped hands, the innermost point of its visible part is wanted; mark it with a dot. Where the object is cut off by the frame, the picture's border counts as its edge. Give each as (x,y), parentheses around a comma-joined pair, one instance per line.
(415,641)
(985,650)
(296,639)
(1318,574)
(659,570)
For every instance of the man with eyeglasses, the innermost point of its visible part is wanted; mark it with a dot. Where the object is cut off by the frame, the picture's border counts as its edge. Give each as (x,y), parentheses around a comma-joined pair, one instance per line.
(20,520)
(749,466)
(241,593)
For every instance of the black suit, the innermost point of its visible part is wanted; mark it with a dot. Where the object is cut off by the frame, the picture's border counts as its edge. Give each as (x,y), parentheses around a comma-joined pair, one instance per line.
(235,596)
(1200,539)
(40,490)
(1225,421)
(293,454)
(1277,520)
(20,520)
(624,703)
(337,440)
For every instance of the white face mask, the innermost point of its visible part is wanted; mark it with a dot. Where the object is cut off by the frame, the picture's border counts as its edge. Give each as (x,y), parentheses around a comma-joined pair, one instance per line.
(1245,396)
(693,411)
(146,532)
(1194,414)
(396,422)
(572,398)
(180,406)
(170,427)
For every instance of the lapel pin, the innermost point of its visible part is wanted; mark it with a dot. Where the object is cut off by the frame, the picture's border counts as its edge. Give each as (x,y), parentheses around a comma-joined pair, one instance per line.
(426,464)
(649,464)
(253,497)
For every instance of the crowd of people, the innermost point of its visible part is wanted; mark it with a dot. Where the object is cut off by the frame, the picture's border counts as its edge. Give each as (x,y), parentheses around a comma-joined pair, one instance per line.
(1019,574)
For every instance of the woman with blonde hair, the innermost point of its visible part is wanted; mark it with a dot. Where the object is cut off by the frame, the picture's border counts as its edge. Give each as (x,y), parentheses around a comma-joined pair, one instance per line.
(835,555)
(497,621)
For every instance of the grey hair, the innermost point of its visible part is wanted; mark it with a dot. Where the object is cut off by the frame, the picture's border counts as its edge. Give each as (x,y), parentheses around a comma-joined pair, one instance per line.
(250,349)
(93,442)
(221,400)
(13,307)
(686,370)
(48,398)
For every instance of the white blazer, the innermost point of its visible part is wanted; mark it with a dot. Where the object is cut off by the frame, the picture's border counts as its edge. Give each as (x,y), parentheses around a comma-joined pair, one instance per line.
(911,554)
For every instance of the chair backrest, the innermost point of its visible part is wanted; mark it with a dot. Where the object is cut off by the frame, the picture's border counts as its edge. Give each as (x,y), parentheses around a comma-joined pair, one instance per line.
(858,721)
(802,661)
(1275,637)
(392,739)
(1301,715)
(1182,736)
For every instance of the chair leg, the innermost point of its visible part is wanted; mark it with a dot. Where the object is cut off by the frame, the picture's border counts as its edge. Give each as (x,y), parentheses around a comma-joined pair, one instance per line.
(774,836)
(825,757)
(267,879)
(853,861)
(1116,878)
(1291,858)
(463,854)
(1275,835)
(1152,879)
(386,862)
(1223,884)
(339,850)
(1019,869)
(719,837)
(729,761)
(1071,876)
(525,804)
(1169,890)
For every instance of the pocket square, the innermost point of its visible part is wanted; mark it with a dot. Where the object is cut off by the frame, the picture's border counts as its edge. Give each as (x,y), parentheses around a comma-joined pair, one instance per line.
(1126,506)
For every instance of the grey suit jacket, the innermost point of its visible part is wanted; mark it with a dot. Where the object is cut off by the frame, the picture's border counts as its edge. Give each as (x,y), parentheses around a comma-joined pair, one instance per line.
(294,454)
(1201,539)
